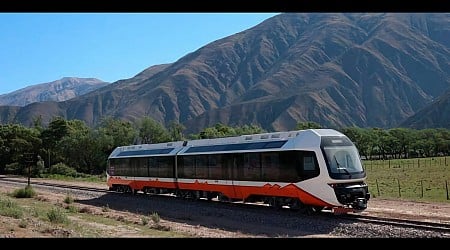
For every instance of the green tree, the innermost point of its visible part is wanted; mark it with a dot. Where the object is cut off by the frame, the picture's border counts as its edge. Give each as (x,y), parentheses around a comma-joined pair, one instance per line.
(118,132)
(150,131)
(249,129)
(56,130)
(176,131)
(16,141)
(307,125)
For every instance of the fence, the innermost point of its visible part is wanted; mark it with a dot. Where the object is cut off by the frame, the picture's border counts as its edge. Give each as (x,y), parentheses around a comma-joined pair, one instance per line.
(416,179)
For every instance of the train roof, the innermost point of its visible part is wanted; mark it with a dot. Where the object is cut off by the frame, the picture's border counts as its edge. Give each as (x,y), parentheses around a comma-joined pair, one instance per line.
(253,142)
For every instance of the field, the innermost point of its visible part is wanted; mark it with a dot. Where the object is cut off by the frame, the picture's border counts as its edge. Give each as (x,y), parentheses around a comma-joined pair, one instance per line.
(419,179)
(51,215)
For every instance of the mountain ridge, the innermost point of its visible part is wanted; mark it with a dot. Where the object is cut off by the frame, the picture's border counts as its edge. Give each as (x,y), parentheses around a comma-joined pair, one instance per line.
(338,69)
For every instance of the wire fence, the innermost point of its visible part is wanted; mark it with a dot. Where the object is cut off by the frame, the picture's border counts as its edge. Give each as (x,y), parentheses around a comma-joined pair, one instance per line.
(417,179)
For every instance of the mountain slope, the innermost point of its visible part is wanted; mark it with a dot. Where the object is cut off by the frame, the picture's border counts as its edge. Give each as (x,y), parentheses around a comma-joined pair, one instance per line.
(367,70)
(436,115)
(60,90)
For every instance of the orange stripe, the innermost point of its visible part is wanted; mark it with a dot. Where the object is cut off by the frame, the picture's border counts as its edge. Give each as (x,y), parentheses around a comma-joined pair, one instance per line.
(231,191)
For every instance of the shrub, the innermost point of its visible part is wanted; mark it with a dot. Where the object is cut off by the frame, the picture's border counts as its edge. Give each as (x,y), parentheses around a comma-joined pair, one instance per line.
(105,208)
(13,168)
(72,209)
(23,223)
(26,192)
(155,217)
(56,215)
(144,220)
(68,199)
(62,169)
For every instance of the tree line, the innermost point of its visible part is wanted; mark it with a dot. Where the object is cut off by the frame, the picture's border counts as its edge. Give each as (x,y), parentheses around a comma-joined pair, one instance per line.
(70,146)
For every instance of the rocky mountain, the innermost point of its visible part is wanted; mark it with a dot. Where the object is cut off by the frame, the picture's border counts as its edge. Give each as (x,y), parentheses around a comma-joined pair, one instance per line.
(435,115)
(60,90)
(366,70)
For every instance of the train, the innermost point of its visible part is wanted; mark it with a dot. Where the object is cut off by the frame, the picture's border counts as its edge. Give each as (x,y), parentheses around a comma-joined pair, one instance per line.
(311,170)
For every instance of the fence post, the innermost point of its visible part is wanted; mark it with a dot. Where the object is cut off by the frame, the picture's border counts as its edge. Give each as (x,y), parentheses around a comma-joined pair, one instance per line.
(399,194)
(378,188)
(446,189)
(421,187)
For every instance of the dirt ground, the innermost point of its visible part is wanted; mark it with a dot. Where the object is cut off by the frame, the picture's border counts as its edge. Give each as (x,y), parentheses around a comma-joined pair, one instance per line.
(381,207)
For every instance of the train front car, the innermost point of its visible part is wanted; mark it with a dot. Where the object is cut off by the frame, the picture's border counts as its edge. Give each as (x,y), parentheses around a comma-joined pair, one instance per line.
(340,169)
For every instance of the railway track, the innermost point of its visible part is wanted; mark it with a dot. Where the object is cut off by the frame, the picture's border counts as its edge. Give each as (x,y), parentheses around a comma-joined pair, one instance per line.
(76,187)
(404,223)
(421,225)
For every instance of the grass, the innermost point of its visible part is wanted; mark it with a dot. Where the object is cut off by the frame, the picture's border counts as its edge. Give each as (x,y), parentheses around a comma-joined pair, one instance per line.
(10,208)
(65,219)
(418,179)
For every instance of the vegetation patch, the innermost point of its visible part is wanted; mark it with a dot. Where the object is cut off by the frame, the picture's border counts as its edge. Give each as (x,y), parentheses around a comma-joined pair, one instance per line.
(27,192)
(10,208)
(56,215)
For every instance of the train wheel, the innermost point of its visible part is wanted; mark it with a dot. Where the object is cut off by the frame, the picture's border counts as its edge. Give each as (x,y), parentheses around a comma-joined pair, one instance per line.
(317,209)
(223,198)
(210,196)
(275,202)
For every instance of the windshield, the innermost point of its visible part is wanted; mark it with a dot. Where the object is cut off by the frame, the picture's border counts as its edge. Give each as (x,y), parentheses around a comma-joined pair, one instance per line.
(343,160)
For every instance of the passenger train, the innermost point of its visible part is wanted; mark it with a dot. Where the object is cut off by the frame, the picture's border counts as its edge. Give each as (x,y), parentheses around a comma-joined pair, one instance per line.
(313,169)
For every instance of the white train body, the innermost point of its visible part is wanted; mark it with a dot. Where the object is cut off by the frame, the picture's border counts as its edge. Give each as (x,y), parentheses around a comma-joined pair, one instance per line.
(314,168)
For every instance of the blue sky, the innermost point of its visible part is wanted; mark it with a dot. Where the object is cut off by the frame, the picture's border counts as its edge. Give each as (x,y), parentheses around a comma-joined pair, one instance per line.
(44,47)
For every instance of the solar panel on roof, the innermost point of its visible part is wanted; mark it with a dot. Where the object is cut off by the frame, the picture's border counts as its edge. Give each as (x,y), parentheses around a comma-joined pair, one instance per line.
(146,152)
(240,146)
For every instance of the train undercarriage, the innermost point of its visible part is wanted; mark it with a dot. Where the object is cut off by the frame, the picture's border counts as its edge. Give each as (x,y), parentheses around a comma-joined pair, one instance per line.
(272,201)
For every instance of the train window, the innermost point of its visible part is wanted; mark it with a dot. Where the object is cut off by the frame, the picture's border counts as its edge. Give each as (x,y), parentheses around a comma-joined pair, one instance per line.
(166,167)
(308,163)
(270,166)
(121,167)
(288,166)
(227,163)
(201,167)
(152,167)
(140,166)
(187,168)
(214,166)
(310,166)
(252,166)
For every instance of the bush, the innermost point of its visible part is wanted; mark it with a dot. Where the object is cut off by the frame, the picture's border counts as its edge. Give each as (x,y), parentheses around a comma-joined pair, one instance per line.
(27,192)
(23,223)
(144,220)
(56,215)
(155,217)
(72,209)
(68,199)
(62,169)
(13,168)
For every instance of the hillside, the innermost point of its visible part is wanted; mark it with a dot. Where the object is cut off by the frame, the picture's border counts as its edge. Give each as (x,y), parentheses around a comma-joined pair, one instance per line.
(366,70)
(436,115)
(60,90)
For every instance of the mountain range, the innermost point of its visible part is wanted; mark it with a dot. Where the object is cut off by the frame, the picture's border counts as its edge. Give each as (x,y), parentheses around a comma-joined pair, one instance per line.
(60,90)
(336,69)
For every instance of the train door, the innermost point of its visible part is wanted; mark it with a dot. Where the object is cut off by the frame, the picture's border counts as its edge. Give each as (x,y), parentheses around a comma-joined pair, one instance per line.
(175,172)
(228,169)
(238,174)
